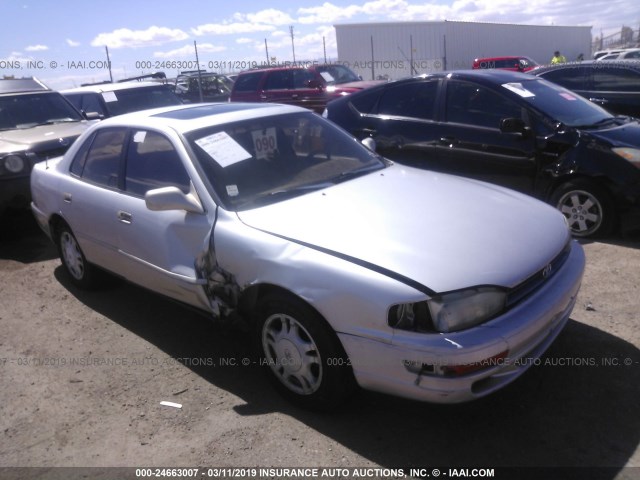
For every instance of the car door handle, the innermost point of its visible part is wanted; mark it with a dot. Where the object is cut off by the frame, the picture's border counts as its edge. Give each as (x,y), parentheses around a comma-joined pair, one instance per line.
(368,131)
(66,197)
(124,217)
(294,95)
(599,100)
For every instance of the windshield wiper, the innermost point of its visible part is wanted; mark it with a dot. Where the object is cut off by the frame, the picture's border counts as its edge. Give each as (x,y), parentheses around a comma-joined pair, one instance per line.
(286,193)
(349,174)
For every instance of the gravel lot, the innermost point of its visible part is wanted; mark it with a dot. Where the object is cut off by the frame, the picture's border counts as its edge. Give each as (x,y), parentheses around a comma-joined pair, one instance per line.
(82,376)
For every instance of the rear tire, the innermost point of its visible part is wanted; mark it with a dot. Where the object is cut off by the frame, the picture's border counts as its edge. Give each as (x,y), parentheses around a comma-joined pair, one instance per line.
(302,355)
(587,207)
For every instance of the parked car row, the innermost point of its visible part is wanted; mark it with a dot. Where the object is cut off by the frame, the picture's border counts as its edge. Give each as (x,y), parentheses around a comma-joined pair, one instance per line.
(445,291)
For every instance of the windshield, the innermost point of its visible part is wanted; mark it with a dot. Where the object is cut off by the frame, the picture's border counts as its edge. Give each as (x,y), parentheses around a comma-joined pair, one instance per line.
(558,103)
(265,160)
(336,74)
(30,110)
(141,98)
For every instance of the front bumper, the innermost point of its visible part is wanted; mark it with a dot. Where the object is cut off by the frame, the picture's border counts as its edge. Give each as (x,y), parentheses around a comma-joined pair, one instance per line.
(401,368)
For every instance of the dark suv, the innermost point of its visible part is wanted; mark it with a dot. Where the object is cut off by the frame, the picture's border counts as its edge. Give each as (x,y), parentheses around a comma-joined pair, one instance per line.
(36,124)
(310,87)
(215,87)
(615,85)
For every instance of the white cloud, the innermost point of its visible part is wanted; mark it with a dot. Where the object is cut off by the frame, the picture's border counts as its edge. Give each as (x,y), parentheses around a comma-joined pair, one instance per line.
(152,36)
(188,51)
(269,17)
(230,28)
(36,48)
(71,43)
(244,40)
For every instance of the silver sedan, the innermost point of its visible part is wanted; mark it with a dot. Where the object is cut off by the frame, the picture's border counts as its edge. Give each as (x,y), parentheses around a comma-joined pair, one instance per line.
(351,270)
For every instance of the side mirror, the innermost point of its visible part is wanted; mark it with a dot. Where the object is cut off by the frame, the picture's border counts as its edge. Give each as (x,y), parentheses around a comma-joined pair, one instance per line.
(92,115)
(513,125)
(172,198)
(370,143)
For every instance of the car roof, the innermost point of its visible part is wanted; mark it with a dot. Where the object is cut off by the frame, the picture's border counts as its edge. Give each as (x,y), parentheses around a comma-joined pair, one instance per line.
(185,118)
(18,85)
(634,64)
(110,87)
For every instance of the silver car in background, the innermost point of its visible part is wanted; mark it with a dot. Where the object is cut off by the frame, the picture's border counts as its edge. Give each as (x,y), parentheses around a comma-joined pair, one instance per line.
(351,270)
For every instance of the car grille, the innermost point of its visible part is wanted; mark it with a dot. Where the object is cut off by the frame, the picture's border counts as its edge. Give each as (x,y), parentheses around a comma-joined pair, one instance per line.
(535,281)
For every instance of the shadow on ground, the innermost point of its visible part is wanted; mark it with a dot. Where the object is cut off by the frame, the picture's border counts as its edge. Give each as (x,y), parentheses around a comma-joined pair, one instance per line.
(578,408)
(22,240)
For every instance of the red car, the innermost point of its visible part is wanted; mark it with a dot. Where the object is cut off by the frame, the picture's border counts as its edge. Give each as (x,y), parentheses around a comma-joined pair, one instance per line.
(515,64)
(310,87)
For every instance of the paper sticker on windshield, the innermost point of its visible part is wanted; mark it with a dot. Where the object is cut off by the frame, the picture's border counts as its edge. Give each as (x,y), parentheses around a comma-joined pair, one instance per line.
(223,149)
(265,142)
(109,97)
(518,89)
(232,190)
(139,137)
(568,96)
(327,76)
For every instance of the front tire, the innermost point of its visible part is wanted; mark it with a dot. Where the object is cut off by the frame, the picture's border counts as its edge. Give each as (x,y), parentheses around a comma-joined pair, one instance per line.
(82,273)
(302,354)
(587,207)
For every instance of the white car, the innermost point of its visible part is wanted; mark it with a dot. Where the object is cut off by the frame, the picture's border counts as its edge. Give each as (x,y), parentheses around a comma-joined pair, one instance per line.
(351,269)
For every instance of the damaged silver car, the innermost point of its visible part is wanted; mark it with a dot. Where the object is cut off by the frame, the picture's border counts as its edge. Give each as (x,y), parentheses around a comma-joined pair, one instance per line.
(351,270)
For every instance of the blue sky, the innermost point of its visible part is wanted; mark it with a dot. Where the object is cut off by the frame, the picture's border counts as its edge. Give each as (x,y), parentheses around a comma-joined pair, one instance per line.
(63,42)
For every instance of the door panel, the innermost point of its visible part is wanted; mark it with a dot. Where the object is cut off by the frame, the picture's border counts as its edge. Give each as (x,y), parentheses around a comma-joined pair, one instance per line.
(472,145)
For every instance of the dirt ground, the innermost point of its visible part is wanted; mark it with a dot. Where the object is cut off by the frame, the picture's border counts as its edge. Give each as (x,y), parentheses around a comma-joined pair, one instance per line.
(82,376)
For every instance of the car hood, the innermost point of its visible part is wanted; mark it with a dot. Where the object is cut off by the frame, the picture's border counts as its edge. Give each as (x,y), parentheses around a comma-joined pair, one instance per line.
(355,86)
(441,231)
(33,138)
(625,135)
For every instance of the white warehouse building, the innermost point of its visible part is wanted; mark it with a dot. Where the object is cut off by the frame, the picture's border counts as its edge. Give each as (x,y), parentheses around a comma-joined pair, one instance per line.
(390,50)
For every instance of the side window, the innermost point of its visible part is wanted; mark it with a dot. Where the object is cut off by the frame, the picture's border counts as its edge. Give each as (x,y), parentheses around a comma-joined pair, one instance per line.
(77,165)
(103,160)
(634,54)
(617,79)
(247,82)
(301,78)
(365,100)
(473,104)
(279,80)
(415,100)
(572,78)
(153,162)
(91,103)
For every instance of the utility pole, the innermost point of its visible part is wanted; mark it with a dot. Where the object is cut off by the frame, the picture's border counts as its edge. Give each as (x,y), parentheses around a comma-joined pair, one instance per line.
(106,49)
(293,48)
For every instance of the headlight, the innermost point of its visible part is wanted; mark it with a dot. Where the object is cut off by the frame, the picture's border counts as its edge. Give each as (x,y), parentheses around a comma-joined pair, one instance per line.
(630,154)
(455,311)
(13,163)
(449,312)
